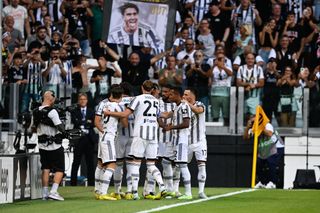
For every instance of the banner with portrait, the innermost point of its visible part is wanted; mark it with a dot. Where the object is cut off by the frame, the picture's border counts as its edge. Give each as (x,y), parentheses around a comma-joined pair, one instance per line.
(148,23)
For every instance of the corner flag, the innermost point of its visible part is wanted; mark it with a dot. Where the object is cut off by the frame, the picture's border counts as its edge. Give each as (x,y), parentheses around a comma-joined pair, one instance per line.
(260,121)
(259,124)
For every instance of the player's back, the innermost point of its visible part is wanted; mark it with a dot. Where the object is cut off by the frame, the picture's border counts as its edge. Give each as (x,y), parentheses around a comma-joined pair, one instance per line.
(146,109)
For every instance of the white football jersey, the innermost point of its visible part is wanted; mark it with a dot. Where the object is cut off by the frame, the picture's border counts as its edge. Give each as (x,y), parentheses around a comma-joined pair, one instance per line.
(180,112)
(166,107)
(126,132)
(110,123)
(197,124)
(146,110)
(101,106)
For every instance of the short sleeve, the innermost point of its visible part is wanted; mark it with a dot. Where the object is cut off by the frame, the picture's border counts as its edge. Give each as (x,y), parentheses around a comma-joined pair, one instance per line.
(54,116)
(186,112)
(134,103)
(100,108)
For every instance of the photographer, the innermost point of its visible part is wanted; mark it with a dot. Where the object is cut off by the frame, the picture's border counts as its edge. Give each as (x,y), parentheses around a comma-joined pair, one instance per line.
(50,131)
(83,118)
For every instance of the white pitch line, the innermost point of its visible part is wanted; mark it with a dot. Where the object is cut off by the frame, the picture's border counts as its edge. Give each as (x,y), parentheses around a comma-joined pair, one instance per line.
(196,201)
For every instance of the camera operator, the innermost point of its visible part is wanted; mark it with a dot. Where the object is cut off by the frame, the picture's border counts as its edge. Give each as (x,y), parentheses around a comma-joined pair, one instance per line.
(50,131)
(83,118)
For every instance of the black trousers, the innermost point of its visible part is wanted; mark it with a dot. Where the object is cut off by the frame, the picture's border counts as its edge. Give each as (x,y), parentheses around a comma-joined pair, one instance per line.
(82,147)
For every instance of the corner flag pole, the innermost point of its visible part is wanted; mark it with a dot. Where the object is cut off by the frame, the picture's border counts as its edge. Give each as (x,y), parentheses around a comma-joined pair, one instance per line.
(254,160)
(260,121)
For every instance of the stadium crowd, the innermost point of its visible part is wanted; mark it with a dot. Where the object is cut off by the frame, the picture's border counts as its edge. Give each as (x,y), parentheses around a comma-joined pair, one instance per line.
(267,47)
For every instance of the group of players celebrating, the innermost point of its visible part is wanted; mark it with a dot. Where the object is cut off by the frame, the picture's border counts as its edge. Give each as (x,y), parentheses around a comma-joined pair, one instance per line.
(170,129)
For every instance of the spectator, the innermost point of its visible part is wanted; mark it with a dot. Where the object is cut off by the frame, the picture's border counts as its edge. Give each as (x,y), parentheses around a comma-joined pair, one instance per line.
(271,93)
(286,57)
(250,76)
(309,30)
(20,15)
(179,43)
(67,66)
(72,45)
(198,74)
(242,41)
(219,23)
(16,36)
(205,40)
(43,40)
(198,8)
(80,83)
(268,38)
(241,59)
(56,40)
(16,75)
(48,24)
(294,33)
(278,17)
(170,75)
(78,16)
(288,106)
(245,14)
(102,79)
(134,70)
(220,88)
(96,28)
(315,99)
(219,49)
(190,23)
(227,6)
(54,74)
(40,16)
(33,65)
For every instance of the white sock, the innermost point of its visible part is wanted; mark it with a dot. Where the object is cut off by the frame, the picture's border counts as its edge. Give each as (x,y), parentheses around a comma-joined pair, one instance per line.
(186,178)
(117,177)
(128,177)
(156,175)
(149,186)
(54,188)
(135,175)
(176,178)
(45,191)
(167,174)
(202,175)
(105,180)
(97,181)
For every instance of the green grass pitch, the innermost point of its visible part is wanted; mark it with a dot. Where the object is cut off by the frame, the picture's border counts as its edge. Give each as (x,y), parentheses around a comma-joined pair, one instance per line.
(81,199)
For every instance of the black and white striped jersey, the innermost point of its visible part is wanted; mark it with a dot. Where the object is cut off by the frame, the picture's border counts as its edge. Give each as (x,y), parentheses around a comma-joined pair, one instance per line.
(197,124)
(166,107)
(146,111)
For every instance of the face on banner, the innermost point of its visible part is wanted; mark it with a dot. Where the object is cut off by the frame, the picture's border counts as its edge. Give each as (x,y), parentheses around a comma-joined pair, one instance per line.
(130,17)
(137,23)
